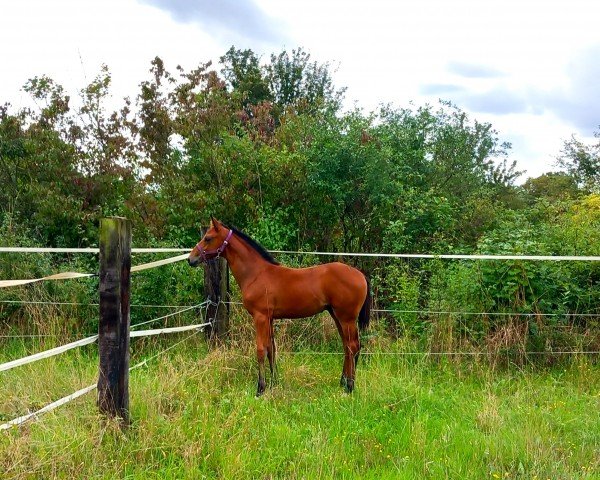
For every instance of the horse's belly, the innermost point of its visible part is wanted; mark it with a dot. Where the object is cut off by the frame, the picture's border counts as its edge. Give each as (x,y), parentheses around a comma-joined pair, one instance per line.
(298,304)
(285,304)
(298,311)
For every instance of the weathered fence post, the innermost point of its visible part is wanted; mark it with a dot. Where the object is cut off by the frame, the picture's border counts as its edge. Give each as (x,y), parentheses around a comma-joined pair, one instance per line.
(216,289)
(113,329)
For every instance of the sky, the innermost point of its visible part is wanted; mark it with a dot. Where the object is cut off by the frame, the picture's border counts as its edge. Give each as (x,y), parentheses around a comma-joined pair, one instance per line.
(531,68)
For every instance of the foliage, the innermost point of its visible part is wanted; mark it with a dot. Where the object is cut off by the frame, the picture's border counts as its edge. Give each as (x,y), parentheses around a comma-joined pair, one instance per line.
(552,186)
(582,162)
(264,145)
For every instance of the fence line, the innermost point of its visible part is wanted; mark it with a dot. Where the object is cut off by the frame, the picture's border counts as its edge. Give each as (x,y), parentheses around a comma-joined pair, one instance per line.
(449,312)
(56,276)
(86,341)
(145,361)
(333,254)
(42,335)
(379,310)
(184,307)
(426,354)
(571,258)
(77,304)
(197,327)
(138,333)
(70,275)
(159,331)
(178,258)
(51,406)
(47,408)
(159,263)
(47,353)
(206,302)
(515,314)
(86,250)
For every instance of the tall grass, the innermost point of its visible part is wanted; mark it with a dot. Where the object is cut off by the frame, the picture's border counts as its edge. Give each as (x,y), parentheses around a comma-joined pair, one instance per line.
(195,416)
(496,414)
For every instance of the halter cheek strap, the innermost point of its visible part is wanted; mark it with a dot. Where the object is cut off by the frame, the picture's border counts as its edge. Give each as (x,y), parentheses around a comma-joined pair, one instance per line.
(218,251)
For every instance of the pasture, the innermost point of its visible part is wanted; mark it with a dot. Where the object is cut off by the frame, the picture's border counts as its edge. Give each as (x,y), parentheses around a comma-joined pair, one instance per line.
(482,357)
(194,415)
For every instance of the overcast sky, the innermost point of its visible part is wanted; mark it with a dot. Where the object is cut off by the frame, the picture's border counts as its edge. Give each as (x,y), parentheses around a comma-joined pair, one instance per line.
(531,68)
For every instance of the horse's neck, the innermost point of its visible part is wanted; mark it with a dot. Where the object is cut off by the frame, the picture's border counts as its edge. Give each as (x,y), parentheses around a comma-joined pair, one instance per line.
(245,263)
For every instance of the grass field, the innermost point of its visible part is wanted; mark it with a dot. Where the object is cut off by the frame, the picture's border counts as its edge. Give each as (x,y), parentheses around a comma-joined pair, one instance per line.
(195,416)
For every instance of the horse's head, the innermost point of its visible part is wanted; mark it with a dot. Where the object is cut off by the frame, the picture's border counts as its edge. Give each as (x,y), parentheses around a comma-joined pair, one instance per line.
(212,244)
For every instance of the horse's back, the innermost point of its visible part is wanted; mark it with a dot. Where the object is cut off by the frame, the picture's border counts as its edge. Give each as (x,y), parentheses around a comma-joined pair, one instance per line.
(330,277)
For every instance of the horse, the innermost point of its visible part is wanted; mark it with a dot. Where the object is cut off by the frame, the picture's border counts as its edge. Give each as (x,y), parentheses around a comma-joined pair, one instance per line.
(272,291)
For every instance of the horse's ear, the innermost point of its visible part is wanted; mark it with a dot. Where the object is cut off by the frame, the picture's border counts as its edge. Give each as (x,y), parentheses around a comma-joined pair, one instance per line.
(214,223)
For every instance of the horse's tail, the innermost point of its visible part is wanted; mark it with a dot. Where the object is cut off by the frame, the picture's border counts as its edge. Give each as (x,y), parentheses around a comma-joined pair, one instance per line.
(365,311)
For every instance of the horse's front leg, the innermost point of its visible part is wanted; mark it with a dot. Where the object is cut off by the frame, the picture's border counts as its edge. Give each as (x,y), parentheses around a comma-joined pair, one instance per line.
(263,343)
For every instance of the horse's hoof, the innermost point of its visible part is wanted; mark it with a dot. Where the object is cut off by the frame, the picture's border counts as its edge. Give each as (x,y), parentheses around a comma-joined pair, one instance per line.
(260,389)
(349,385)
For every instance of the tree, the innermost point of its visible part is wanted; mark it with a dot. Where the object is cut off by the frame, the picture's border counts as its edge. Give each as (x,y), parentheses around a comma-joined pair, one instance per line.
(243,73)
(552,186)
(297,82)
(466,155)
(582,161)
(39,168)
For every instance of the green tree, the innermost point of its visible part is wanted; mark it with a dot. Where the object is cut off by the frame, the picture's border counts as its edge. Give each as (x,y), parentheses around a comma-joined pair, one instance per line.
(582,161)
(244,74)
(552,186)
(297,82)
(40,168)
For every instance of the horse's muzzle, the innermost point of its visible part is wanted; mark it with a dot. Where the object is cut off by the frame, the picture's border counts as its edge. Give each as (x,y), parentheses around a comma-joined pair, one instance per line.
(193,261)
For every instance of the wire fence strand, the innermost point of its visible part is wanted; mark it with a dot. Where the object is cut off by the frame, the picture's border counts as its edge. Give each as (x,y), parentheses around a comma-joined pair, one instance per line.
(490,314)
(448,353)
(95,250)
(168,315)
(91,339)
(51,406)
(78,304)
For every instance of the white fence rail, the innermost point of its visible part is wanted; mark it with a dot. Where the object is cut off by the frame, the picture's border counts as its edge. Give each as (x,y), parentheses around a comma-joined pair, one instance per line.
(556,258)
(71,275)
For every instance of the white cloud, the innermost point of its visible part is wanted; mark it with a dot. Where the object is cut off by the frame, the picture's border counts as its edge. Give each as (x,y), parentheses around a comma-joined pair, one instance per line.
(529,68)
(241,19)
(70,40)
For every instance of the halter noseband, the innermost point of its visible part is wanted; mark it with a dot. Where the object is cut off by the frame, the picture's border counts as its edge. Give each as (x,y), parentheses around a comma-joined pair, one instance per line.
(204,253)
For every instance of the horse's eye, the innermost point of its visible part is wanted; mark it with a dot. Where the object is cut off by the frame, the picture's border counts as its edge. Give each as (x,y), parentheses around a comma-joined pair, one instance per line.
(208,239)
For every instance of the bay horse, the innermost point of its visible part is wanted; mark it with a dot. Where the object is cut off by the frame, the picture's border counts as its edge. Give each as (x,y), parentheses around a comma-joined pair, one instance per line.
(271,291)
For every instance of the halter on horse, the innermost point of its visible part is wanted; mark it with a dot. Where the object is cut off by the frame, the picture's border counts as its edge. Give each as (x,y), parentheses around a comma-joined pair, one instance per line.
(271,291)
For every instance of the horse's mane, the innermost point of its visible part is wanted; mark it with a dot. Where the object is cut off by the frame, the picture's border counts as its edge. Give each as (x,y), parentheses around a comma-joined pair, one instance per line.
(254,244)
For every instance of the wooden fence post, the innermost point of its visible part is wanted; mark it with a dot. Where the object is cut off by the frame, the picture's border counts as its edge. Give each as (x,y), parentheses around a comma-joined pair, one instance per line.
(113,329)
(216,289)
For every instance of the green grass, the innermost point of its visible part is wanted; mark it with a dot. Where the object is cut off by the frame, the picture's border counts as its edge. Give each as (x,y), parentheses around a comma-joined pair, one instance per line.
(195,416)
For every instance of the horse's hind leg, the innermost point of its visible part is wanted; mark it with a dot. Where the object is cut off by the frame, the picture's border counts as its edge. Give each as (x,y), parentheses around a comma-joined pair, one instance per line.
(344,378)
(351,351)
(271,353)
(346,325)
